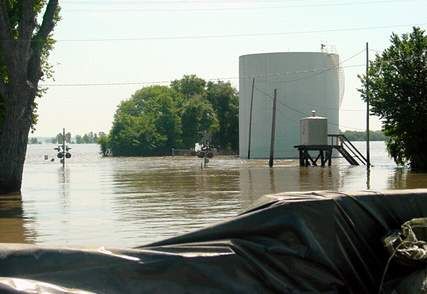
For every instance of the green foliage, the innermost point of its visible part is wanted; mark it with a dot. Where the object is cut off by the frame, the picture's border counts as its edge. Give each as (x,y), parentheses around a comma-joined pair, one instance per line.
(135,136)
(361,136)
(161,108)
(398,95)
(45,45)
(89,138)
(146,124)
(14,9)
(59,139)
(225,102)
(158,118)
(198,120)
(189,86)
(104,143)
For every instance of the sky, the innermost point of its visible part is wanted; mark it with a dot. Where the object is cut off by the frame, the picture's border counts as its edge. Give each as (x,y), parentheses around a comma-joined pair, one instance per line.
(108,49)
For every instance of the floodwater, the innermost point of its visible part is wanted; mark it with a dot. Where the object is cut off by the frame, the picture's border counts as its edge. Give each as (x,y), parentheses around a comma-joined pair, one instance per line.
(127,202)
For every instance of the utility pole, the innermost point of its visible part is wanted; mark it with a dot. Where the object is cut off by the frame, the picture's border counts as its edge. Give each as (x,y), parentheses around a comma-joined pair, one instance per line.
(63,150)
(63,147)
(368,151)
(250,119)
(273,130)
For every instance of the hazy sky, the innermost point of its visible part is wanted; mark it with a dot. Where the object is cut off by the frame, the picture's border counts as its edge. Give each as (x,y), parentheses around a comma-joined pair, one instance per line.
(134,43)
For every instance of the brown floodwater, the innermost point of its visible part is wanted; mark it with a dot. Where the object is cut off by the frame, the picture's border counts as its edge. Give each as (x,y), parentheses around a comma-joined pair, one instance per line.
(127,202)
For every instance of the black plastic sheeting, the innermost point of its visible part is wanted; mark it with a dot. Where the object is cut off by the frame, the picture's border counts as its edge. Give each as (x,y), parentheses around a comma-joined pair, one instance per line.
(318,242)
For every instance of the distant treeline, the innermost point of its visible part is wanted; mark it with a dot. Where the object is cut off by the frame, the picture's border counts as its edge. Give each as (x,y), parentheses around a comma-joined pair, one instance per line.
(89,138)
(361,136)
(34,140)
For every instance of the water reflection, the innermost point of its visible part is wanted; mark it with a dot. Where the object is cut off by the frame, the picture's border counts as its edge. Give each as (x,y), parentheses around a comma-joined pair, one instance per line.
(127,202)
(368,178)
(257,181)
(173,200)
(404,179)
(64,186)
(13,227)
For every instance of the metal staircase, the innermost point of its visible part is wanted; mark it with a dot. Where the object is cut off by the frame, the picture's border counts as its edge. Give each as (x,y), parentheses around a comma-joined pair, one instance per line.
(343,145)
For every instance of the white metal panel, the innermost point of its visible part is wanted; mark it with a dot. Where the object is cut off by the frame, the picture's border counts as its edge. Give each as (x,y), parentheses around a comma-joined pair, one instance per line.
(304,81)
(314,131)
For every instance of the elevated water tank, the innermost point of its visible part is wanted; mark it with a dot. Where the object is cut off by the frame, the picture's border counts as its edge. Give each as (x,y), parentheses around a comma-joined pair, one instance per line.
(314,130)
(304,81)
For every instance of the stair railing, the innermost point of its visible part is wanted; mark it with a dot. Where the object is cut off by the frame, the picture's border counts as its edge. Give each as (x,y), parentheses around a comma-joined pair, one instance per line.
(342,141)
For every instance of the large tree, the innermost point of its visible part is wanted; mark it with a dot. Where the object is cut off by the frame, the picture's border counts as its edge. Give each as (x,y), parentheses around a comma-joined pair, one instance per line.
(189,86)
(225,102)
(198,120)
(24,46)
(147,124)
(158,118)
(398,95)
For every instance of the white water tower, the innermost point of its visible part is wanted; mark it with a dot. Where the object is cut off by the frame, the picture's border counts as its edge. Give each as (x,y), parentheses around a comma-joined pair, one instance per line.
(304,81)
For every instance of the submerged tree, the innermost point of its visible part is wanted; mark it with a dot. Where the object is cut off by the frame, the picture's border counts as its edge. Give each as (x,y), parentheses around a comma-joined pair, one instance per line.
(24,47)
(158,118)
(225,102)
(104,143)
(147,124)
(198,120)
(398,95)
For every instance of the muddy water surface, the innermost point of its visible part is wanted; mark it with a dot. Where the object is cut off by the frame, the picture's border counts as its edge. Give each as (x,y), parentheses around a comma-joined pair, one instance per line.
(126,202)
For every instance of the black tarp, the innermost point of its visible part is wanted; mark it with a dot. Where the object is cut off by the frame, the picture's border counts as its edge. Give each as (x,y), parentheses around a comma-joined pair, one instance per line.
(314,242)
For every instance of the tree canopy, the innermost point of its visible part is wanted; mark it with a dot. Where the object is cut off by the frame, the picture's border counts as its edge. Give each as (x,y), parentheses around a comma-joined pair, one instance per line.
(398,95)
(225,102)
(146,124)
(27,37)
(199,120)
(158,118)
(189,86)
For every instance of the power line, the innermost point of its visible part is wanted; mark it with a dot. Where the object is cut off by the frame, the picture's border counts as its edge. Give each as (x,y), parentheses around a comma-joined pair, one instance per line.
(122,83)
(169,81)
(266,94)
(320,70)
(103,84)
(138,10)
(325,70)
(198,2)
(265,34)
(301,112)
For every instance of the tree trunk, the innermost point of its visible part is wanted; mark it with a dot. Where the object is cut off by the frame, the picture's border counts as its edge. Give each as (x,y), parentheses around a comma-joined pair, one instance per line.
(13,141)
(23,44)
